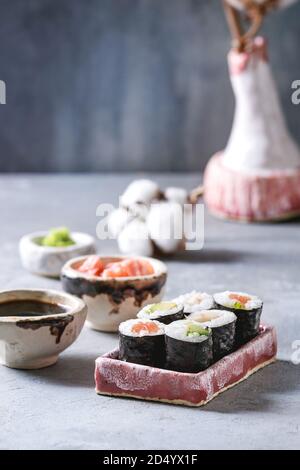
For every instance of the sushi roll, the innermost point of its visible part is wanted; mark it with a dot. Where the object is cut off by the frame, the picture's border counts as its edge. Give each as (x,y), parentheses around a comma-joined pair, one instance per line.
(195,301)
(188,346)
(142,342)
(247,309)
(165,312)
(222,324)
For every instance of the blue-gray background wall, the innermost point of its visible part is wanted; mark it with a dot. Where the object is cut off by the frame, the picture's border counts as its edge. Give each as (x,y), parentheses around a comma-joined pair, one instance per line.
(101,85)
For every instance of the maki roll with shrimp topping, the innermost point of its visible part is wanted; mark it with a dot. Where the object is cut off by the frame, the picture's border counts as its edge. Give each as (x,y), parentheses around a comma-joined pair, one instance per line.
(188,346)
(142,342)
(195,301)
(247,308)
(222,324)
(165,312)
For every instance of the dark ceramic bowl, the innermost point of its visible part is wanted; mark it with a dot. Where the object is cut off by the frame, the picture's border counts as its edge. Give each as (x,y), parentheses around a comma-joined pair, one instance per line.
(33,341)
(112,301)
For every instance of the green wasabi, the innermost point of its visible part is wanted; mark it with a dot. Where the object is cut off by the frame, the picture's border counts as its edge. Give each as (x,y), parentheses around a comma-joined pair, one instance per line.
(58,237)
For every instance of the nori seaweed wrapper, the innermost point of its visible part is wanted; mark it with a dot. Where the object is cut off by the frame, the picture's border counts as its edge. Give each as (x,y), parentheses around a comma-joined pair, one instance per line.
(247,323)
(167,319)
(223,339)
(187,356)
(146,350)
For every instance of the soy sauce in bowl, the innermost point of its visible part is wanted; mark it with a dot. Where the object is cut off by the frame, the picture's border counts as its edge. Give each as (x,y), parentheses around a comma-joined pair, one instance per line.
(30,308)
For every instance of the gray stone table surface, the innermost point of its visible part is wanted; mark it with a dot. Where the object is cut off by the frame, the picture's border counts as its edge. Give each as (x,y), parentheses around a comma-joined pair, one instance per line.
(57,407)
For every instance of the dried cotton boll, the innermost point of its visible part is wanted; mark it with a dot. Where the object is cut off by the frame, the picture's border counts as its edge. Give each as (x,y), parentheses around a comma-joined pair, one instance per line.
(165,225)
(286,3)
(134,239)
(179,195)
(139,211)
(240,5)
(139,191)
(117,220)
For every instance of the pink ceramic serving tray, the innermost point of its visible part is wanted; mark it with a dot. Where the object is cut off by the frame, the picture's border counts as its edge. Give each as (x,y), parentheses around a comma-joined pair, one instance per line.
(117,378)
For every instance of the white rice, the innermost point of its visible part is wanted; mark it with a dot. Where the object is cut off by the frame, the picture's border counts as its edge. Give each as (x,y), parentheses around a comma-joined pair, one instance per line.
(143,314)
(213,318)
(125,328)
(178,330)
(195,301)
(222,298)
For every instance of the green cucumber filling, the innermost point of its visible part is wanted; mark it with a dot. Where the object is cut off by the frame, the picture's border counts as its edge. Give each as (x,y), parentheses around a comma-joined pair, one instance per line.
(161,307)
(195,330)
(58,237)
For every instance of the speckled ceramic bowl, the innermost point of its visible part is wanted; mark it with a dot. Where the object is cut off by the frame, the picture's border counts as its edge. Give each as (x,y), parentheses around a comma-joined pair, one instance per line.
(112,301)
(48,260)
(33,342)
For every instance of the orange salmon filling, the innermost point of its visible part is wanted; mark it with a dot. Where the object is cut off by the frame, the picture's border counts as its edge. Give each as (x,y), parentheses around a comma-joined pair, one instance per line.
(147,327)
(94,266)
(128,268)
(243,299)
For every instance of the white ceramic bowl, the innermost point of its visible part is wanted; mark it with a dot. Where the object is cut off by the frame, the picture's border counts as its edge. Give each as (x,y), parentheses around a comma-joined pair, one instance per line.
(112,301)
(48,260)
(33,342)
